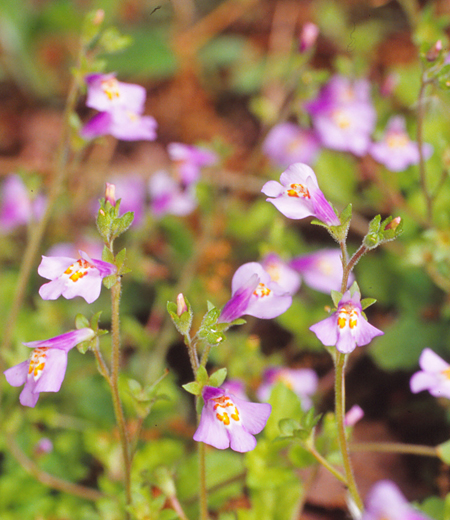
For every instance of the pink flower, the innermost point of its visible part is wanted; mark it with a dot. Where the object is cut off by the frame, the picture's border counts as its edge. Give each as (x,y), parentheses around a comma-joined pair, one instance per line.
(254,293)
(302,381)
(321,270)
(308,36)
(230,422)
(121,124)
(46,368)
(190,160)
(343,115)
(17,207)
(281,273)
(346,328)
(288,143)
(167,196)
(396,151)
(355,414)
(386,502)
(70,277)
(298,196)
(434,376)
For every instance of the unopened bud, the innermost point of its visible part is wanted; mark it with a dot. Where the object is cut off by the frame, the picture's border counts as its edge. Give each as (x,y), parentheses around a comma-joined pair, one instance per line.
(394,223)
(110,194)
(434,52)
(181,305)
(99,17)
(353,415)
(308,36)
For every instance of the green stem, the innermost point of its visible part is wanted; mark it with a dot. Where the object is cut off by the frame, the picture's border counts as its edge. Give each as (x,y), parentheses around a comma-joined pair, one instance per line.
(342,439)
(203,491)
(326,464)
(114,385)
(396,447)
(422,173)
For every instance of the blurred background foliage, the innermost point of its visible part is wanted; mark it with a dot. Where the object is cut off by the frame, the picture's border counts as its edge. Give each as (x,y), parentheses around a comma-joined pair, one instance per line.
(221,73)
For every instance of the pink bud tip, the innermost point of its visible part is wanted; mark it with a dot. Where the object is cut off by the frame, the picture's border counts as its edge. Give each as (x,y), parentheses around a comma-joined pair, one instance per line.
(110,194)
(181,305)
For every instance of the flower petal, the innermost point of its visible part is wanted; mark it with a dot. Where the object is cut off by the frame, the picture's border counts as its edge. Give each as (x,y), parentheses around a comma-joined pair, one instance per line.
(54,371)
(17,375)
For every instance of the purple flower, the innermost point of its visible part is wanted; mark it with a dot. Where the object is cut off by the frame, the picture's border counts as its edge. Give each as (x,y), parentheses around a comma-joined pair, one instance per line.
(396,151)
(122,124)
(321,270)
(434,376)
(287,143)
(386,502)
(70,277)
(189,161)
(169,197)
(107,94)
(235,387)
(343,115)
(121,106)
(17,207)
(302,381)
(281,273)
(45,370)
(346,328)
(254,293)
(298,196)
(228,421)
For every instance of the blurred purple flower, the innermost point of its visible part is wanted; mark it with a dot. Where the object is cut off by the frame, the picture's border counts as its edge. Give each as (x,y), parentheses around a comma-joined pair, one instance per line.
(396,151)
(302,381)
(434,376)
(355,414)
(189,160)
(254,293)
(121,106)
(288,143)
(346,328)
(321,270)
(46,368)
(235,387)
(70,277)
(343,115)
(386,502)
(91,246)
(167,196)
(228,421)
(45,445)
(298,196)
(308,36)
(281,273)
(17,207)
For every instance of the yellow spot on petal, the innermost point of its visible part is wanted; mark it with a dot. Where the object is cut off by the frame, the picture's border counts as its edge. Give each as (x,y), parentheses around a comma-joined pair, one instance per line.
(111,88)
(262,290)
(340,117)
(397,140)
(79,269)
(37,362)
(298,190)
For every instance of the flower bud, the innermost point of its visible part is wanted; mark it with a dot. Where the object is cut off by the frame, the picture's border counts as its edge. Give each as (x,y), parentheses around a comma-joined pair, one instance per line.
(434,52)
(181,305)
(110,194)
(99,17)
(308,36)
(394,223)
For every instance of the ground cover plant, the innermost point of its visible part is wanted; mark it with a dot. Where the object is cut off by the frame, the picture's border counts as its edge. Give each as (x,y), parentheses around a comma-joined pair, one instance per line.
(225,260)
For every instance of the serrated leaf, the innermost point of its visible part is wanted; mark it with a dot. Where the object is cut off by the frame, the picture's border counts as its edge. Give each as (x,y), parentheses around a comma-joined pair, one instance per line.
(202,375)
(134,386)
(83,347)
(288,427)
(110,280)
(107,255)
(443,452)
(318,222)
(95,319)
(193,388)
(336,296)
(367,302)
(120,258)
(218,377)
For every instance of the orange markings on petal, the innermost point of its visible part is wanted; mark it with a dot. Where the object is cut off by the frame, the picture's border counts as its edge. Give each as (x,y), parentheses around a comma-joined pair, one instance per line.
(299,191)
(111,88)
(78,269)
(262,290)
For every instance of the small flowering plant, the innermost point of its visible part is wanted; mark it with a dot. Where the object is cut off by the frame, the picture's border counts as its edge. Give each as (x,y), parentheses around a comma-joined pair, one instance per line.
(229,422)
(347,328)
(44,371)
(70,277)
(434,375)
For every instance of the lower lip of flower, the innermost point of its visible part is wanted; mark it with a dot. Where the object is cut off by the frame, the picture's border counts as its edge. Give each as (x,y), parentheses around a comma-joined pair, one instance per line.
(299,191)
(37,362)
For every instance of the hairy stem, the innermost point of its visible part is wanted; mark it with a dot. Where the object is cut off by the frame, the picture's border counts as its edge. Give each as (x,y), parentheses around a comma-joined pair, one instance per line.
(396,447)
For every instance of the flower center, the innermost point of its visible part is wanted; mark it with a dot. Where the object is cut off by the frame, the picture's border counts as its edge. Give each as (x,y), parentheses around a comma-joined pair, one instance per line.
(262,290)
(37,362)
(446,373)
(340,117)
(274,271)
(397,140)
(111,88)
(77,270)
(226,410)
(298,190)
(295,145)
(348,315)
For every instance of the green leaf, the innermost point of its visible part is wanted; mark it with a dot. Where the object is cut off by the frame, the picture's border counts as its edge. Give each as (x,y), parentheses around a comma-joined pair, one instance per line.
(192,388)
(81,322)
(336,296)
(202,375)
(218,377)
(110,280)
(288,427)
(107,255)
(443,452)
(367,302)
